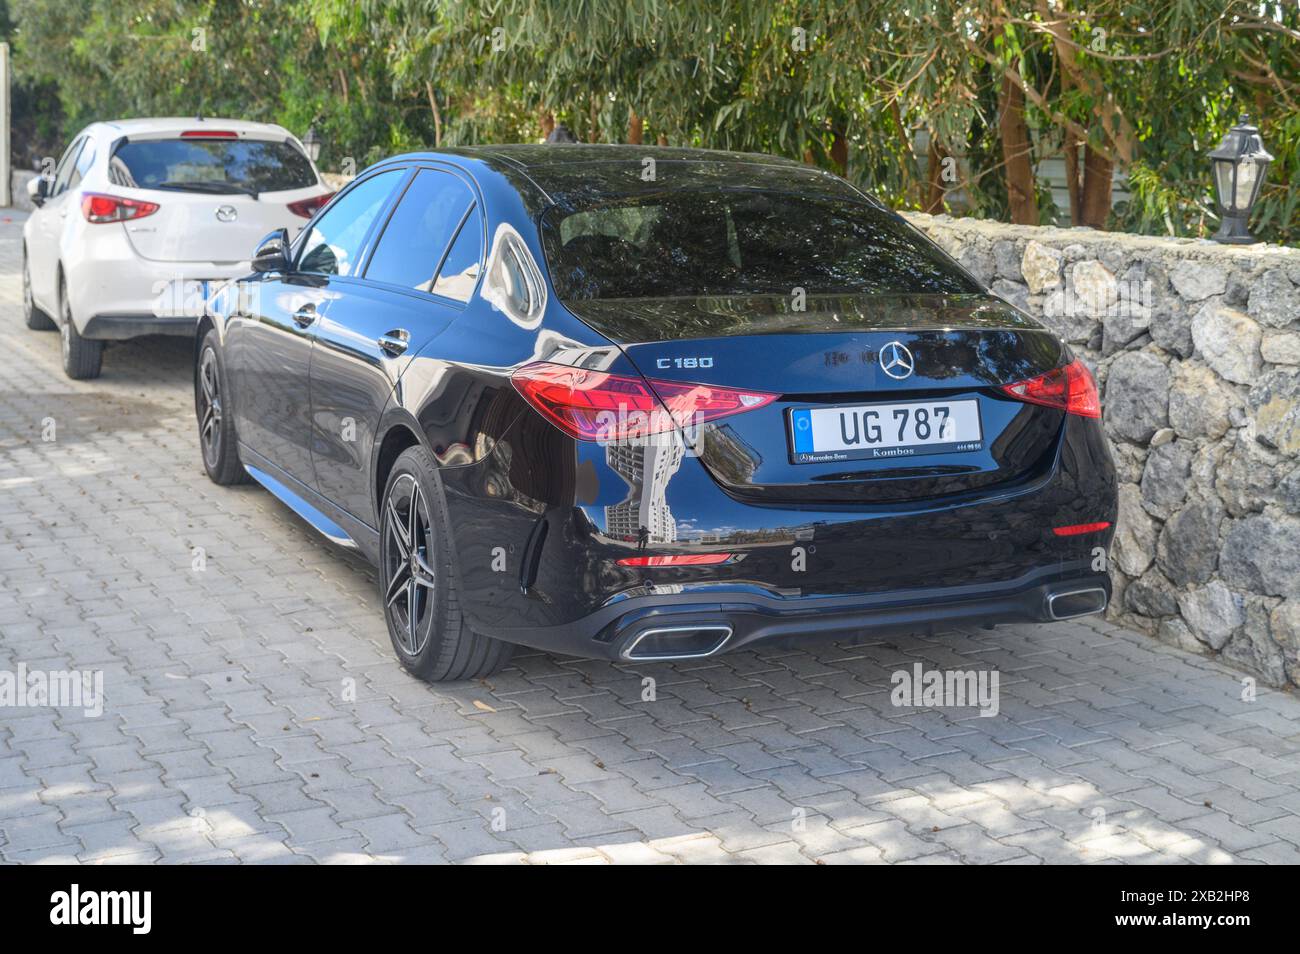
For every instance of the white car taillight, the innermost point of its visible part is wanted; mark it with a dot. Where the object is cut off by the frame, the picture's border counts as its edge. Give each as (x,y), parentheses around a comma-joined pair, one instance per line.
(99,208)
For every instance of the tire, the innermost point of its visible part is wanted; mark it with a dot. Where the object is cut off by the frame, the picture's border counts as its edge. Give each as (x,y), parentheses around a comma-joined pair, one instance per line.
(437,645)
(218,444)
(82,357)
(33,317)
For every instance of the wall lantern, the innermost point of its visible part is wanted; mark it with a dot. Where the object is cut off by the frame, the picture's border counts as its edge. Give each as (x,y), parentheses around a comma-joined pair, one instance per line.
(1240,164)
(312,143)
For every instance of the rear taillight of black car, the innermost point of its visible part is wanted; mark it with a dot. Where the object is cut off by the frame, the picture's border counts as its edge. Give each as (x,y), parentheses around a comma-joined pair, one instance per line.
(1071,388)
(599,406)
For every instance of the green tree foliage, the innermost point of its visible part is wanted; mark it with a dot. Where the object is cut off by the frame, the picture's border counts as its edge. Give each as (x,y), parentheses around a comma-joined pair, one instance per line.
(1140,87)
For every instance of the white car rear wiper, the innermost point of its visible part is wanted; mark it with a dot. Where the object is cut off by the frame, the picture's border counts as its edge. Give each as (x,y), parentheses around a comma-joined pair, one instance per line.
(219,188)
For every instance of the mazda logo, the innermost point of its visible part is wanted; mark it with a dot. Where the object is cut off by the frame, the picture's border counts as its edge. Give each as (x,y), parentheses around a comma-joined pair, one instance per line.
(896,361)
(227,213)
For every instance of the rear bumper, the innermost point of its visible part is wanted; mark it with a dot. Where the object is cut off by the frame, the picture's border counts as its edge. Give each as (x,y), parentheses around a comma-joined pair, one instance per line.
(747,616)
(540,531)
(116,294)
(119,327)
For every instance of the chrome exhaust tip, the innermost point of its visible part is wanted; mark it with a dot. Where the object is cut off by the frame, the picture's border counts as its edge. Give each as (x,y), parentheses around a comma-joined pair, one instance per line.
(667,643)
(1072,603)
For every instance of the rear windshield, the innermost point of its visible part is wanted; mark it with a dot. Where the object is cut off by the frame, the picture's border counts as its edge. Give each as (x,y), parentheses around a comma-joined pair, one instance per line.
(211,165)
(740,242)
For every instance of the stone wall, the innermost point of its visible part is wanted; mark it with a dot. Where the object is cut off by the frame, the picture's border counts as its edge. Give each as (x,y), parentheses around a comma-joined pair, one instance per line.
(1196,347)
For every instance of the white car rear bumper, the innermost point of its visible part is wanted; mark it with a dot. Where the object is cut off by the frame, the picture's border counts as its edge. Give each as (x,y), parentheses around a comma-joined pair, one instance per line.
(116,294)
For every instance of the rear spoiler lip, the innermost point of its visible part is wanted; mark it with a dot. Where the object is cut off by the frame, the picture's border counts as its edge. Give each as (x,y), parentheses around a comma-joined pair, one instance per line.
(163,135)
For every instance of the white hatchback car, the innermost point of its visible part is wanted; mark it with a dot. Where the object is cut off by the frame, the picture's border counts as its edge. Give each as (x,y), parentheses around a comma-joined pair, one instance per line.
(141,216)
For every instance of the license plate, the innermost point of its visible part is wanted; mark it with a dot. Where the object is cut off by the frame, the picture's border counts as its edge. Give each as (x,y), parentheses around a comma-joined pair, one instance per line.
(821,435)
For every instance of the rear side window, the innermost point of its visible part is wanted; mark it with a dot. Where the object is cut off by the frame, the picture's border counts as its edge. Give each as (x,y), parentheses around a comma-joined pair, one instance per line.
(63,171)
(420,230)
(82,165)
(739,242)
(459,272)
(218,166)
(334,243)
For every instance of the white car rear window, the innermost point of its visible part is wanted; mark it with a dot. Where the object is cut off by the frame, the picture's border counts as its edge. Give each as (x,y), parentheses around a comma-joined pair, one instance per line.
(211,166)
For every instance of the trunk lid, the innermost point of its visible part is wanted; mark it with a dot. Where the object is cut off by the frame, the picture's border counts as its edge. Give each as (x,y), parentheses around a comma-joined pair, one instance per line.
(195,227)
(846,429)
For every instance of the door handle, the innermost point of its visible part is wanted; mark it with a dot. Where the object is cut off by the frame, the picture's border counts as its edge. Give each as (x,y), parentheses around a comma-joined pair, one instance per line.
(305,315)
(394,342)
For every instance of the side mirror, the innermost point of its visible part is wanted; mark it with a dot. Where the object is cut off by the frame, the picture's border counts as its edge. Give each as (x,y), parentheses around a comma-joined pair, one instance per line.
(37,190)
(272,253)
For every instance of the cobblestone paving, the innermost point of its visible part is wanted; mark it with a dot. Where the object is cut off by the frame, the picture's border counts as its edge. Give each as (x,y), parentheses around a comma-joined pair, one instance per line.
(254,711)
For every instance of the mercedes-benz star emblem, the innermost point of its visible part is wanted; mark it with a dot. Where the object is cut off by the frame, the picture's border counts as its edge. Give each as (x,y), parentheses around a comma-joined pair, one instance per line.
(896,361)
(227,213)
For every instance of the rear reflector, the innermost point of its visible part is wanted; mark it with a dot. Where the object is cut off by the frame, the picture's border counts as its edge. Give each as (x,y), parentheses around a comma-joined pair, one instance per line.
(209,134)
(1071,389)
(597,406)
(679,559)
(307,207)
(100,208)
(1079,529)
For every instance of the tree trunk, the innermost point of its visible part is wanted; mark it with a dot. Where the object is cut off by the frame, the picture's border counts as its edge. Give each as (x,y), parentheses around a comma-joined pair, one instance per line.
(1095,201)
(840,152)
(437,115)
(913,185)
(1070,78)
(1073,185)
(1090,187)
(635,129)
(1019,171)
(934,189)
(361,79)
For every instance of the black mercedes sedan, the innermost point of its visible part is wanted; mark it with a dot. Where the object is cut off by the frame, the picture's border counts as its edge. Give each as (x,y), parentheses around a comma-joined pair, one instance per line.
(653,404)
